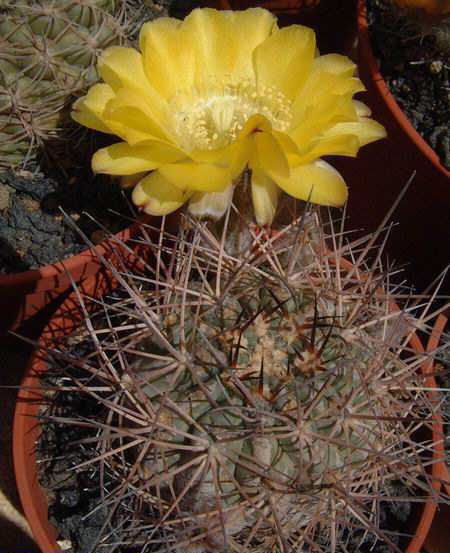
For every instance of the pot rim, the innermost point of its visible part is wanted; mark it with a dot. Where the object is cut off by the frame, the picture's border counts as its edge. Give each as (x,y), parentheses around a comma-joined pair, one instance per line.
(54,271)
(26,429)
(365,54)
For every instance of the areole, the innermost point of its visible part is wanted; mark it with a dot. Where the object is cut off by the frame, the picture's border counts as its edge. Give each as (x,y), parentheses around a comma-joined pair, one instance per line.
(27,430)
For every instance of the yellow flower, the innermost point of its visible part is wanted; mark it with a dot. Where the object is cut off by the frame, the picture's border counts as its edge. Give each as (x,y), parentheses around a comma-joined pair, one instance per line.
(219,92)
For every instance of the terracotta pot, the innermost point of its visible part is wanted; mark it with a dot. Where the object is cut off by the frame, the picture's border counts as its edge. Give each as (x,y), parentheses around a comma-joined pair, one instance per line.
(438,538)
(29,400)
(27,431)
(435,537)
(23,295)
(334,21)
(381,170)
(369,69)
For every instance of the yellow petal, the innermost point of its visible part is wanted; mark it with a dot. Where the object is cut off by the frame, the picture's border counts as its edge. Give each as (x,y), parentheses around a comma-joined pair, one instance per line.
(223,42)
(318,90)
(265,194)
(87,119)
(361,109)
(330,145)
(89,109)
(128,181)
(365,131)
(123,67)
(157,195)
(269,156)
(255,122)
(285,141)
(211,204)
(204,177)
(284,59)
(123,159)
(134,118)
(334,63)
(169,55)
(235,156)
(318,181)
(98,97)
(239,155)
(319,118)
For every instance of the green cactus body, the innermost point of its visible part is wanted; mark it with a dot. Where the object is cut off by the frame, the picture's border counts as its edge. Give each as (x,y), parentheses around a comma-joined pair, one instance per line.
(48,51)
(253,401)
(271,432)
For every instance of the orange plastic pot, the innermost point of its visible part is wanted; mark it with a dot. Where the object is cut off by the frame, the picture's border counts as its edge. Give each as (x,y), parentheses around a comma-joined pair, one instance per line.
(381,170)
(334,21)
(23,295)
(27,431)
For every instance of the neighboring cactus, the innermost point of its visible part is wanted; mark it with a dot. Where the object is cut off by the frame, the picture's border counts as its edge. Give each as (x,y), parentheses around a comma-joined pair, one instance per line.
(255,399)
(48,52)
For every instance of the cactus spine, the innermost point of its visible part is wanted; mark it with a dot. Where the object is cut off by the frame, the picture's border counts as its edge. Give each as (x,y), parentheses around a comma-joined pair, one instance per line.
(258,401)
(48,52)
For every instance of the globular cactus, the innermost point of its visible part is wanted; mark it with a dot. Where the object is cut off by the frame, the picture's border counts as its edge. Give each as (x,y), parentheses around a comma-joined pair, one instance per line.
(48,52)
(256,400)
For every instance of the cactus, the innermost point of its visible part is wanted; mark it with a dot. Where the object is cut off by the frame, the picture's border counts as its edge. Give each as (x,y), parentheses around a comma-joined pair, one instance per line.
(48,52)
(253,392)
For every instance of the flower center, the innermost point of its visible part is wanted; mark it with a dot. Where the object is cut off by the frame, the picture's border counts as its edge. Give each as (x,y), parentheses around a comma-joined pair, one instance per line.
(214,117)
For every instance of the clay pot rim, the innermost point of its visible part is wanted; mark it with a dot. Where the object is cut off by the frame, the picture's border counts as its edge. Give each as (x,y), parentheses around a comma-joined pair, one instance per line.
(371,64)
(30,398)
(54,270)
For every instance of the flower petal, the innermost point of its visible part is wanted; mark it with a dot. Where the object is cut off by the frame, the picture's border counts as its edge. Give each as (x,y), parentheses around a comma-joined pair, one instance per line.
(123,159)
(235,156)
(204,177)
(169,55)
(265,194)
(284,59)
(319,118)
(331,74)
(123,67)
(224,41)
(134,119)
(285,141)
(330,145)
(365,130)
(157,195)
(129,181)
(89,109)
(211,204)
(269,156)
(318,90)
(336,64)
(318,182)
(362,110)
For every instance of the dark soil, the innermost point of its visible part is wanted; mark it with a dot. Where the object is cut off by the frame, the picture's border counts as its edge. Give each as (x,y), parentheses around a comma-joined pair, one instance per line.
(74,496)
(33,230)
(416,70)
